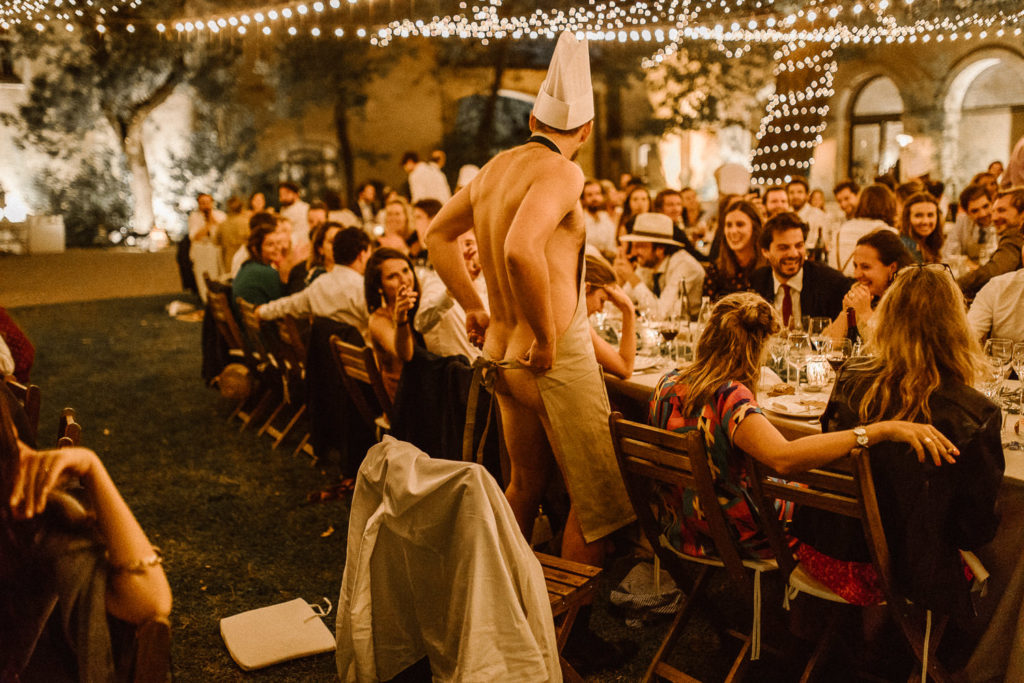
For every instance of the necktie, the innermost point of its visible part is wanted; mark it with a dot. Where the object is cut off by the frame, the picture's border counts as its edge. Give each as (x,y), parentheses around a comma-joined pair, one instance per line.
(787,305)
(657,283)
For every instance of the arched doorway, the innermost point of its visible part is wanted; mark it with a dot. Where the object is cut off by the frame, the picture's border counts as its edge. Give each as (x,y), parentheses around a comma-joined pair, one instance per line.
(984,113)
(875,126)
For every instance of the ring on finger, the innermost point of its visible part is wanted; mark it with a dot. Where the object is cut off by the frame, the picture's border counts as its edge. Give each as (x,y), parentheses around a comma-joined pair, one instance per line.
(927,439)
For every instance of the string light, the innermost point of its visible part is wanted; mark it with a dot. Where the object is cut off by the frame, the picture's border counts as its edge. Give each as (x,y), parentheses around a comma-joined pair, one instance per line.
(731,24)
(41,13)
(793,124)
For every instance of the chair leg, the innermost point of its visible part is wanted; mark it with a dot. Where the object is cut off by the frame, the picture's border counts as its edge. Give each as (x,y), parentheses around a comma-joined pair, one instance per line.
(657,666)
(270,420)
(261,406)
(291,425)
(821,649)
(915,637)
(304,447)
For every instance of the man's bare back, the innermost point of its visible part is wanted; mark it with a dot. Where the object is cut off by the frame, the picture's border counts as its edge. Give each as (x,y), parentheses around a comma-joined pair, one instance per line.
(506,223)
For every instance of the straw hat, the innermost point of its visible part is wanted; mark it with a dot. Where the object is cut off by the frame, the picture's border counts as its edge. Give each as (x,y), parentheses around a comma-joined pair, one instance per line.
(652,227)
(566,97)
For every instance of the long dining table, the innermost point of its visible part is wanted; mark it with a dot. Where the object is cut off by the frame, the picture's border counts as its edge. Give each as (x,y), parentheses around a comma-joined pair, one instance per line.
(999,626)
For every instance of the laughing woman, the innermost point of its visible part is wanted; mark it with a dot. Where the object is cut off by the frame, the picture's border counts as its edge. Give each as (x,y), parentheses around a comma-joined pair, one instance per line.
(877,258)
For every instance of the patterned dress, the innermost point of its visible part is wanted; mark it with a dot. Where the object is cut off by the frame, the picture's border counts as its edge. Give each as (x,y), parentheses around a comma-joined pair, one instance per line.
(682,520)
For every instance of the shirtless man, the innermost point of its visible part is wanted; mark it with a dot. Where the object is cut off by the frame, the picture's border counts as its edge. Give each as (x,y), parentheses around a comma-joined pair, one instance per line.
(530,232)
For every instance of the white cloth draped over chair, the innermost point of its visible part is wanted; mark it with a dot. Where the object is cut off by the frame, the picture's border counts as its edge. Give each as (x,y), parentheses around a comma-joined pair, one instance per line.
(436,566)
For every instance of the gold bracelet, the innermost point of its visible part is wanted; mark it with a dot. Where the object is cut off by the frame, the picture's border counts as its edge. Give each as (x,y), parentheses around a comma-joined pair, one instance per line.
(139,566)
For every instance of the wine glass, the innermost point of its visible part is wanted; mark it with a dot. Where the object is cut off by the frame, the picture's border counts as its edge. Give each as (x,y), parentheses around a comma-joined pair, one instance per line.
(777,351)
(1000,352)
(798,353)
(1017,363)
(817,332)
(839,351)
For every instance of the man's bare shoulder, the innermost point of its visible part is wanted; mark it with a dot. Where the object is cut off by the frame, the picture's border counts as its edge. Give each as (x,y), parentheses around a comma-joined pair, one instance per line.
(532,163)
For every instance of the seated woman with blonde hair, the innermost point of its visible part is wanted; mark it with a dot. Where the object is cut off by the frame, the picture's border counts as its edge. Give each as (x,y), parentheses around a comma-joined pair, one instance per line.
(715,395)
(66,576)
(922,365)
(602,287)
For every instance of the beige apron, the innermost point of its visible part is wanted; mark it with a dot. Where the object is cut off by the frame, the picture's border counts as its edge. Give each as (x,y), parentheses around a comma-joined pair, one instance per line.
(576,403)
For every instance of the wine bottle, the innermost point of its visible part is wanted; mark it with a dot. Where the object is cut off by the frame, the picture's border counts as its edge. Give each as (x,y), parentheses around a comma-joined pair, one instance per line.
(852,333)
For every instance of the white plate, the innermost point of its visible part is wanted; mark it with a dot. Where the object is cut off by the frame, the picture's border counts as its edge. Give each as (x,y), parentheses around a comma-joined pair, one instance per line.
(806,405)
(642,363)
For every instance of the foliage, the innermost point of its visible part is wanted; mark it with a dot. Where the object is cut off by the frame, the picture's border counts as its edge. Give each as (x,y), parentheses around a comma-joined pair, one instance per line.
(224,137)
(334,72)
(102,86)
(697,87)
(92,195)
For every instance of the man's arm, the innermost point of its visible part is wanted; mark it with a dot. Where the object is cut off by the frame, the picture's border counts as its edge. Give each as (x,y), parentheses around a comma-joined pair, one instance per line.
(550,199)
(1005,259)
(297,304)
(454,219)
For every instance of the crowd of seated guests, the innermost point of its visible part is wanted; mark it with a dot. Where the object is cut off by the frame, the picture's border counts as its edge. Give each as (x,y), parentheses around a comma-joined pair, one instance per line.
(768,268)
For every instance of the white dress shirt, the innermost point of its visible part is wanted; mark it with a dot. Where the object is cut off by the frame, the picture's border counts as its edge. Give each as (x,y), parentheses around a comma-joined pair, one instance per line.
(337,294)
(965,238)
(442,321)
(600,231)
(796,285)
(679,267)
(997,310)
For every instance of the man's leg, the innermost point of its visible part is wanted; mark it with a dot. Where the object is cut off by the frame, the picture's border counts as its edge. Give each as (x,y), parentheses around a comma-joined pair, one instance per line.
(530,459)
(576,549)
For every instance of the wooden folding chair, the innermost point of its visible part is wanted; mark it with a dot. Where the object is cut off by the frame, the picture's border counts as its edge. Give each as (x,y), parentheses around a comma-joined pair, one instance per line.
(359,367)
(267,364)
(650,457)
(224,318)
(291,353)
(846,488)
(570,586)
(31,399)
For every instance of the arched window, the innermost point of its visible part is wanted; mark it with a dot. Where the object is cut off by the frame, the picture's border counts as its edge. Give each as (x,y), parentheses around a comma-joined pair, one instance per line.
(993,103)
(875,124)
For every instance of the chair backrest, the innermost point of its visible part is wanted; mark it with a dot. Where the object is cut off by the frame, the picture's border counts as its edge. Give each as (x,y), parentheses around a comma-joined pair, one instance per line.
(844,487)
(292,347)
(358,365)
(224,319)
(31,399)
(649,456)
(251,325)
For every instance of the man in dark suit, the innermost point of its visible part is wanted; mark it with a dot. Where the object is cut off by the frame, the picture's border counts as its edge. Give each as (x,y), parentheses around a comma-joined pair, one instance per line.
(795,286)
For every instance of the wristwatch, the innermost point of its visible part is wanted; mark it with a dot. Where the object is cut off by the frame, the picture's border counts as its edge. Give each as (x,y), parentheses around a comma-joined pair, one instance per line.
(862,436)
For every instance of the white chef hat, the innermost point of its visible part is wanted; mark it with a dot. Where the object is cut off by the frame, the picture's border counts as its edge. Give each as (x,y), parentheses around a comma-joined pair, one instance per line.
(566,97)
